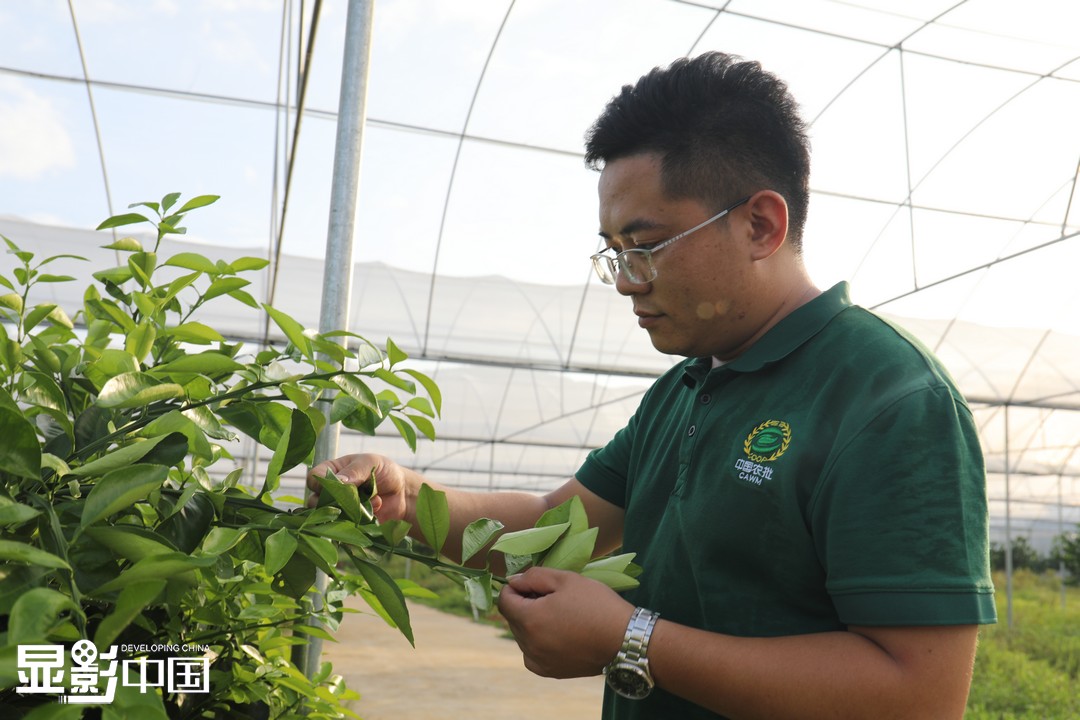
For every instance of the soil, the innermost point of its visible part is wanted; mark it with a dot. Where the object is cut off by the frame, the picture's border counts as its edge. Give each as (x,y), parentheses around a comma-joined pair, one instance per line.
(459,669)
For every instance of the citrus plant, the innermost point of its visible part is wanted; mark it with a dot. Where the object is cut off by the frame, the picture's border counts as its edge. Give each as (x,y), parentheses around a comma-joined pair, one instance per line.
(124,520)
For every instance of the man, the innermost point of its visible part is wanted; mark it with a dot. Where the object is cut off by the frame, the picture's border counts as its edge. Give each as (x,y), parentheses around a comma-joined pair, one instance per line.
(805,492)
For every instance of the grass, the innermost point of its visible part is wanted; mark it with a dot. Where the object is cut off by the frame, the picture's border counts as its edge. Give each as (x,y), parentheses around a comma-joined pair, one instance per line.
(1032,670)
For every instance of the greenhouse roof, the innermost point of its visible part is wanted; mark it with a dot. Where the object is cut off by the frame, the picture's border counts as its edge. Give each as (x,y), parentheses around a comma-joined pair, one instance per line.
(943,189)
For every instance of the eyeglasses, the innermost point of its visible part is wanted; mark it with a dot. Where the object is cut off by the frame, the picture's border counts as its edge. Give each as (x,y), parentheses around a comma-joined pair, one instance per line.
(636,264)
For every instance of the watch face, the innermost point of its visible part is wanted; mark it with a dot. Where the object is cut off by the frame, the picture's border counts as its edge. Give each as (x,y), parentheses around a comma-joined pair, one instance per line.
(629,681)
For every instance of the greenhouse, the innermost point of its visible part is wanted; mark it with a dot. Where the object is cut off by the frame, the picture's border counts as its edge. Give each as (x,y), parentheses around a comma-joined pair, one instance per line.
(945,168)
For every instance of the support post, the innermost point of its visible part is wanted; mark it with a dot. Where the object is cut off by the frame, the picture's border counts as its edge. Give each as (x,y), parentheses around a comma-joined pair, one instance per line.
(338,263)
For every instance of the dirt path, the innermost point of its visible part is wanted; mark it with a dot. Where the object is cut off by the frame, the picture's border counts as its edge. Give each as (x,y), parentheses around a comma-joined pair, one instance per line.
(459,669)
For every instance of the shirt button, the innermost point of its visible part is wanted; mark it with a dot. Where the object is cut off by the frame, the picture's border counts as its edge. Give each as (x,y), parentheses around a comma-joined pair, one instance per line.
(705,398)
(691,431)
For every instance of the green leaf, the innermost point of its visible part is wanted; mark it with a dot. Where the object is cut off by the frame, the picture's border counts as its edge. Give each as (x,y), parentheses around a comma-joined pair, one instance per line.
(423,425)
(280,547)
(394,353)
(248,263)
(118,458)
(44,357)
(156,567)
(129,605)
(192,261)
(531,540)
(221,539)
(45,393)
(112,362)
(389,596)
(209,362)
(168,201)
(293,330)
(478,534)
(14,551)
(14,513)
(617,581)
(429,385)
(572,511)
(130,542)
(146,304)
(136,389)
(479,591)
(126,244)
(175,422)
(120,489)
(108,310)
(36,613)
(39,313)
(321,551)
(20,452)
(396,380)
(195,333)
(421,404)
(125,219)
(12,301)
(343,495)
(188,525)
(343,532)
(572,551)
(56,711)
(223,286)
(433,516)
(406,430)
(296,578)
(613,563)
(516,563)
(295,446)
(140,341)
(142,266)
(197,202)
(259,612)
(359,391)
(245,298)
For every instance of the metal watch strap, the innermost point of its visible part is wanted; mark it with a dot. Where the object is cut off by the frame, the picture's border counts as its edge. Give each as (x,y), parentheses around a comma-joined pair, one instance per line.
(638,632)
(628,673)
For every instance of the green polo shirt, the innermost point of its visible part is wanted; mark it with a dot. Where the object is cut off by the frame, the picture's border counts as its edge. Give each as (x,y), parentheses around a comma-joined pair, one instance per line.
(829,476)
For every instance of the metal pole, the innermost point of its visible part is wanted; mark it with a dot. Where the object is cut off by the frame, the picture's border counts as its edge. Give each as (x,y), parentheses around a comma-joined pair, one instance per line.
(1061,534)
(1008,531)
(338,264)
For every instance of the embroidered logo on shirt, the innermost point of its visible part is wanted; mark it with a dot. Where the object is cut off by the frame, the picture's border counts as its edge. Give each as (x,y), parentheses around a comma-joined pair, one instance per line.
(765,443)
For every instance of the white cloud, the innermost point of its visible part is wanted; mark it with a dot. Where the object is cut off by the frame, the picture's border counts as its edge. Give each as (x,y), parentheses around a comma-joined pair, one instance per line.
(33,138)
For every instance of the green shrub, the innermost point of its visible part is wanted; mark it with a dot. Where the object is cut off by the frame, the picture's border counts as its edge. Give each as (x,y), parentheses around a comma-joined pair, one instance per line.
(122,518)
(123,524)
(1032,670)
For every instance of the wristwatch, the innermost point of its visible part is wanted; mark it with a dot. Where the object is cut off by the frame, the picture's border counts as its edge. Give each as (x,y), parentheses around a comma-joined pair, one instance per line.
(628,674)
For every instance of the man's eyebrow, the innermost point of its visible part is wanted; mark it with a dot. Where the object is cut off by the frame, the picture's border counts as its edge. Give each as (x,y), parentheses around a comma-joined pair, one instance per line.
(634,226)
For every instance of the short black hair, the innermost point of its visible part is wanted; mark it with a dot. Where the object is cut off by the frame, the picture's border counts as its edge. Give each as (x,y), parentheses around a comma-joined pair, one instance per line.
(724,127)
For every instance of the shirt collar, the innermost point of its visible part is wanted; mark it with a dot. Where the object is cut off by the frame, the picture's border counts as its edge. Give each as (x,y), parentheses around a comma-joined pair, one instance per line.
(790,333)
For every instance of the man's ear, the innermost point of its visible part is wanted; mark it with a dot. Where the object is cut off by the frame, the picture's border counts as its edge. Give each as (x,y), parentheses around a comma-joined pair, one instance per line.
(768,213)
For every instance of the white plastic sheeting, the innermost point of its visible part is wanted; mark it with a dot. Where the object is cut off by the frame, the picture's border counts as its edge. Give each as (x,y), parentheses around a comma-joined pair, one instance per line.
(945,165)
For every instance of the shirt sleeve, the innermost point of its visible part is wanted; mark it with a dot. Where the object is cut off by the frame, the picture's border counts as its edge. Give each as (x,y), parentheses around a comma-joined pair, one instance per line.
(900,517)
(606,469)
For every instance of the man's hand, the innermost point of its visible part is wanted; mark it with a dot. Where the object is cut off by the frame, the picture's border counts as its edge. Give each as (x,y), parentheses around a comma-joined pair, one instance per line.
(390,501)
(566,625)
